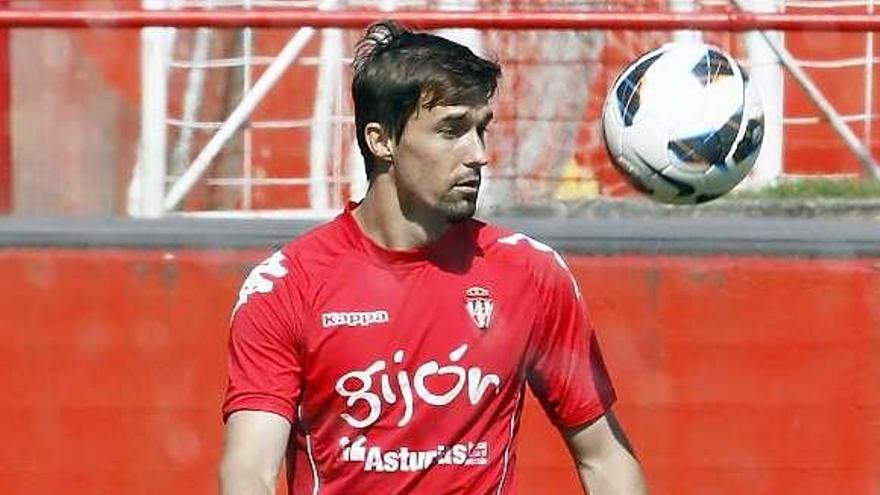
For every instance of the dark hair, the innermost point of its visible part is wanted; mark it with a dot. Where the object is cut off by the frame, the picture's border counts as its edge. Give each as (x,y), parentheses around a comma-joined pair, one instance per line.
(397,70)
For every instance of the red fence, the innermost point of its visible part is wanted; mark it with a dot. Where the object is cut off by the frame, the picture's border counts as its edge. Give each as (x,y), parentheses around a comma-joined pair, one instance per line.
(736,375)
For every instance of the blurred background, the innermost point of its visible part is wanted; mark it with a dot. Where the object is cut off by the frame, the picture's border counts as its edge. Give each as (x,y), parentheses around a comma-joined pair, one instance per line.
(144,171)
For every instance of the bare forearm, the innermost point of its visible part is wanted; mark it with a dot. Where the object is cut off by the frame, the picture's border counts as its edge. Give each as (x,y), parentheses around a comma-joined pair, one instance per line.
(241,482)
(255,445)
(619,474)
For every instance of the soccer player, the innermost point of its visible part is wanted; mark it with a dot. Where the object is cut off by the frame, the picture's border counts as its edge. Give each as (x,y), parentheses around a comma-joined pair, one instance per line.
(387,351)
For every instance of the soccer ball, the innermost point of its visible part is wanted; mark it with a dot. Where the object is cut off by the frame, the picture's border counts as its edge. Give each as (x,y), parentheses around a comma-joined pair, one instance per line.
(683,123)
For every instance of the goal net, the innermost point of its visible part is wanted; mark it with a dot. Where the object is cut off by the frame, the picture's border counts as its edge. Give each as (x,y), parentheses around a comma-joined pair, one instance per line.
(259,121)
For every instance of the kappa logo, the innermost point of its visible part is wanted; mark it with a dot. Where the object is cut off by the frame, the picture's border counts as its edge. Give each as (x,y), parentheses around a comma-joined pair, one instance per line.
(354,319)
(261,279)
(479,305)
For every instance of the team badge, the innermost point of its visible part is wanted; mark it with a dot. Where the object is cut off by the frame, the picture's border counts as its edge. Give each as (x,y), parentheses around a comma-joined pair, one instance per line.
(479,305)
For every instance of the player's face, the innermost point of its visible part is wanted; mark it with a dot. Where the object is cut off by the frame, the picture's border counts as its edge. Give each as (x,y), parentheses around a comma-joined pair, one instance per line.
(439,160)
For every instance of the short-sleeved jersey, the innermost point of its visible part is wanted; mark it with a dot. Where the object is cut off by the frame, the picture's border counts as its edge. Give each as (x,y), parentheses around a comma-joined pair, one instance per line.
(404,371)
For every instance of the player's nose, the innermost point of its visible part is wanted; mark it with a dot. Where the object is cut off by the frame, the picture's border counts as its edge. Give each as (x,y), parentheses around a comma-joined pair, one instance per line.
(476,156)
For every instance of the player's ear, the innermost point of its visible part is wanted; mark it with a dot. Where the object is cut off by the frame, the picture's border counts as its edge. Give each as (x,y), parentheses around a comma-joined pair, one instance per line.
(380,142)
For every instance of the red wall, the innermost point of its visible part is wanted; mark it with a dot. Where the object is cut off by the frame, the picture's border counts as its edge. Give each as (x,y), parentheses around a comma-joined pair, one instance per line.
(736,375)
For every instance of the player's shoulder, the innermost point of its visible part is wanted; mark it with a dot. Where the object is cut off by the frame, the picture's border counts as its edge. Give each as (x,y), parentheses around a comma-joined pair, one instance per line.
(528,256)
(317,247)
(293,267)
(519,250)
(304,257)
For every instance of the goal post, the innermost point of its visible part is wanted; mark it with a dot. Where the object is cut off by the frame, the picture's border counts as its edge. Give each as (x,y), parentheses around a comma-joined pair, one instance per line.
(767,73)
(558,57)
(147,187)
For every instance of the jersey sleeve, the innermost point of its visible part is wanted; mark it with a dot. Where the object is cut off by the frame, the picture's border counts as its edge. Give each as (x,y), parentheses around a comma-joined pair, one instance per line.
(567,373)
(264,359)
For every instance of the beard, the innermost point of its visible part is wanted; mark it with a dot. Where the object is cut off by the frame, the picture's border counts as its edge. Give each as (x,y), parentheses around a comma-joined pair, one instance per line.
(454,205)
(457,206)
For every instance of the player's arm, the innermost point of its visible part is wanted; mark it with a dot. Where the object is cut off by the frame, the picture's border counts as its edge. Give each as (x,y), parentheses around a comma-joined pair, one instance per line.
(255,445)
(264,379)
(568,376)
(605,460)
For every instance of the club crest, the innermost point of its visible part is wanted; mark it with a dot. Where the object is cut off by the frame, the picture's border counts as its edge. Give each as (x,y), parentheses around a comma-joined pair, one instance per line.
(479,305)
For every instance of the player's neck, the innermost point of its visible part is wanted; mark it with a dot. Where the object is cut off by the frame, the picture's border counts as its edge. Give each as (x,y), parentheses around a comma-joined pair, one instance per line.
(381,217)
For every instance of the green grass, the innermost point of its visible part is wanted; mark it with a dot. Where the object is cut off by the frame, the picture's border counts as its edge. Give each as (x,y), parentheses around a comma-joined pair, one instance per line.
(817,189)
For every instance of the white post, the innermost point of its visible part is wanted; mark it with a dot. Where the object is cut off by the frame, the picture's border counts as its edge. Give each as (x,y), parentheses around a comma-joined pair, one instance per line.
(686,36)
(147,186)
(321,141)
(192,99)
(241,112)
(869,80)
(825,107)
(766,73)
(358,173)
(247,165)
(471,38)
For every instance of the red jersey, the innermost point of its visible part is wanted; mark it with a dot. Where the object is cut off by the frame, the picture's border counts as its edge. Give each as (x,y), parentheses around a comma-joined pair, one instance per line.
(403,372)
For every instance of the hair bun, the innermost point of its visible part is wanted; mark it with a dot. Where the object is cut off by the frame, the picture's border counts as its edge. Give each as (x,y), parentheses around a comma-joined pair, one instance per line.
(378,37)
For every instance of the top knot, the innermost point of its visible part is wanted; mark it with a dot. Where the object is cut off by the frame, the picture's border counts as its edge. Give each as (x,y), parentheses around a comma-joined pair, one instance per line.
(378,37)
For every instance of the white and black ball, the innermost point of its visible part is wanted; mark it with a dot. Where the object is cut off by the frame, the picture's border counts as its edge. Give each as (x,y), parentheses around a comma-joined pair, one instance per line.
(683,123)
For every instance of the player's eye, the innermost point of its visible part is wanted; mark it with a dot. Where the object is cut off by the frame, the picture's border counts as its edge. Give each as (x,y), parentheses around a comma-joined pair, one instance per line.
(451,131)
